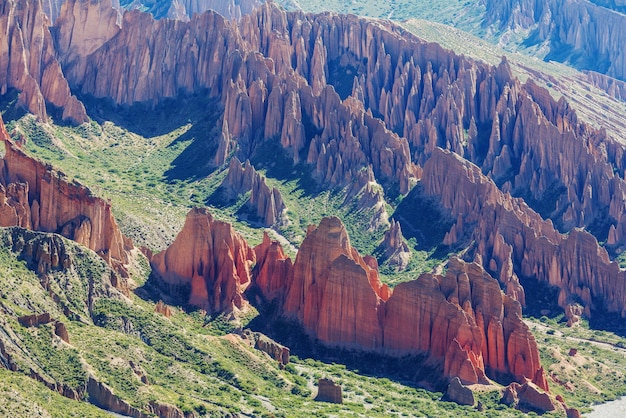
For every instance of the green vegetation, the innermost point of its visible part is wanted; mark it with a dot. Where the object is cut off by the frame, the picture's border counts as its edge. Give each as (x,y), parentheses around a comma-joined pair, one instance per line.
(595,373)
(186,360)
(21,396)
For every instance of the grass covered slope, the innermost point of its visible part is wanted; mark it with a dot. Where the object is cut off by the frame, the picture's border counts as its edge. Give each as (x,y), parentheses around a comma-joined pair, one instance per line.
(145,359)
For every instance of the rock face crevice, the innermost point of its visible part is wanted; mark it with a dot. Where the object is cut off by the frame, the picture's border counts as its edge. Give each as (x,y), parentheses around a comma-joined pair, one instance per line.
(35,196)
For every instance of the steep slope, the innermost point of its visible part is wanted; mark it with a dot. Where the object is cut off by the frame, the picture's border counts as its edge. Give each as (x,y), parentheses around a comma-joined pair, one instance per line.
(208,264)
(267,204)
(513,241)
(423,97)
(585,34)
(35,196)
(461,318)
(28,62)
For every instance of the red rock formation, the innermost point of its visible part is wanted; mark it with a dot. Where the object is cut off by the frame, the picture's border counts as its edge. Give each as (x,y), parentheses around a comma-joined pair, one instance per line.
(334,288)
(29,64)
(513,239)
(328,391)
(163,309)
(529,397)
(278,352)
(267,203)
(273,270)
(211,259)
(461,319)
(35,196)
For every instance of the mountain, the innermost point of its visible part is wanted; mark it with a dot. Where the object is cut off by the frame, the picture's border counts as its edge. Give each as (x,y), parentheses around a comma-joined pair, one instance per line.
(497,192)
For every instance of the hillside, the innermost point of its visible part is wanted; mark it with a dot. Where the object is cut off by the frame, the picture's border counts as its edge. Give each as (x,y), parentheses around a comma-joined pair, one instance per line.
(414,223)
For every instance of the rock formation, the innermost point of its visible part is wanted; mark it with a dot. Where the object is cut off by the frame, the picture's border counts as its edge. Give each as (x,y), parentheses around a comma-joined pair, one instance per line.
(588,31)
(328,391)
(101,395)
(208,262)
(396,250)
(278,352)
(273,269)
(528,397)
(163,309)
(334,288)
(458,393)
(461,319)
(285,71)
(35,196)
(267,203)
(514,241)
(28,62)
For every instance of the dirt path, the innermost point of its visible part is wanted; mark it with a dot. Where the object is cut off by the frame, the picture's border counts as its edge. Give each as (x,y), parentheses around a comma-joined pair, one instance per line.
(544,328)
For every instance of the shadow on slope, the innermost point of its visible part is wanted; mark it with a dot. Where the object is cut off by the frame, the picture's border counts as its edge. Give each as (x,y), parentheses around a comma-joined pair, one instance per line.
(197,113)
(411,370)
(422,217)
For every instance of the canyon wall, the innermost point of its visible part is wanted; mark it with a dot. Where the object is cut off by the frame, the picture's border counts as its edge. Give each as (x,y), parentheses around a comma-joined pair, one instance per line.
(514,241)
(28,62)
(208,262)
(586,35)
(35,196)
(461,319)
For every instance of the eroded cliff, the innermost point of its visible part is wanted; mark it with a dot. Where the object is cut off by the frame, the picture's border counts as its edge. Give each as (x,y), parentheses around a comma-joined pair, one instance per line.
(28,62)
(208,264)
(35,196)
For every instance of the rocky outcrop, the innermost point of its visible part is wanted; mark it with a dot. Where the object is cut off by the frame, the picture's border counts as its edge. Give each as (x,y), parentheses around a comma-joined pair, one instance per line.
(613,87)
(461,319)
(261,342)
(581,33)
(60,330)
(101,395)
(35,320)
(208,263)
(35,196)
(514,241)
(163,309)
(528,397)
(335,293)
(396,250)
(328,391)
(267,204)
(458,393)
(273,269)
(28,62)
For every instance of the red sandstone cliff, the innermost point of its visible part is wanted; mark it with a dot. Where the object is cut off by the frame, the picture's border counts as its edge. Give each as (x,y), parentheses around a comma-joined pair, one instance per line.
(210,260)
(514,241)
(461,319)
(28,62)
(35,196)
